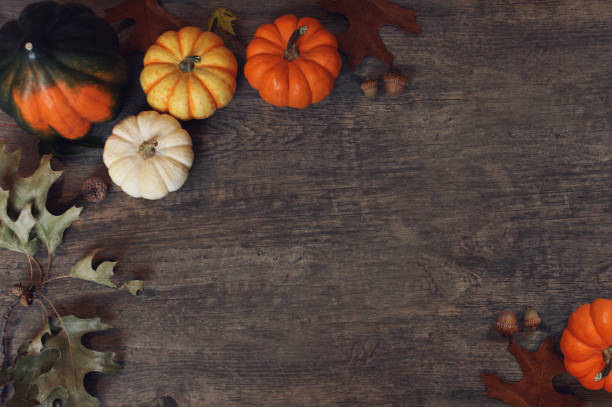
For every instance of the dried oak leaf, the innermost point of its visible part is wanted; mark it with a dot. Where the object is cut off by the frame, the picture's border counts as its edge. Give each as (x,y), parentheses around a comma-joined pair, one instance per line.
(150,20)
(50,368)
(535,388)
(365,19)
(224,19)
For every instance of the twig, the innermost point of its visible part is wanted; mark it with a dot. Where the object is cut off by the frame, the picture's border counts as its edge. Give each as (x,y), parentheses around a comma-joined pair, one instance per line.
(4,346)
(31,269)
(49,261)
(40,270)
(55,278)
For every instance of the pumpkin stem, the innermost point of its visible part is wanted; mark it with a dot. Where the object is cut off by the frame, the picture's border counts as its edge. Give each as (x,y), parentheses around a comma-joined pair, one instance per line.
(147,149)
(188,63)
(607,356)
(292,51)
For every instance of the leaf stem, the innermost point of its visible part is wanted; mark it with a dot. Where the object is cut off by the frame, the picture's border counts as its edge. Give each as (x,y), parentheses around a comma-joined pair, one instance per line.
(56,278)
(49,262)
(31,269)
(40,270)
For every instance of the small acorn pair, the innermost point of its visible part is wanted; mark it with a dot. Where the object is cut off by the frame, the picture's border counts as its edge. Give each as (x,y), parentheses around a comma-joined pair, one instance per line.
(506,323)
(395,83)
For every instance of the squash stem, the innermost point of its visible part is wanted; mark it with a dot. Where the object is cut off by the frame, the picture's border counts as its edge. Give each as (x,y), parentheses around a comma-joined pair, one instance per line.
(147,149)
(607,356)
(188,63)
(292,52)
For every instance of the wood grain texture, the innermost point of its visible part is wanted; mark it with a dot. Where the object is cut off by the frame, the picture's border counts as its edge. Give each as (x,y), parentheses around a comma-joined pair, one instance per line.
(356,253)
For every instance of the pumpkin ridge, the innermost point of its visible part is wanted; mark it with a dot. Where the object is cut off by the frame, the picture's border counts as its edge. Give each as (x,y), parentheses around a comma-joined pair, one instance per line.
(307,88)
(282,61)
(169,50)
(280,36)
(130,142)
(153,163)
(207,50)
(189,108)
(179,78)
(180,44)
(93,77)
(66,103)
(591,308)
(316,63)
(154,84)
(280,49)
(208,91)
(170,158)
(127,173)
(222,68)
(196,41)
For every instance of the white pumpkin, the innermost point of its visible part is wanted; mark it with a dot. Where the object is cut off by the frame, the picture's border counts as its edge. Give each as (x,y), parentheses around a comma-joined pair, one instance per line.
(148,155)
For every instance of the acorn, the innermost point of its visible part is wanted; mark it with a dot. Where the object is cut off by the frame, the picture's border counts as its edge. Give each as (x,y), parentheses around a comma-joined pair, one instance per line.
(94,189)
(531,319)
(395,83)
(506,323)
(370,88)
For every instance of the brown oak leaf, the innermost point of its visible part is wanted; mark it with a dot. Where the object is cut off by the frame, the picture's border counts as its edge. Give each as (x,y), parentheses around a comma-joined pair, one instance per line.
(150,20)
(365,19)
(535,388)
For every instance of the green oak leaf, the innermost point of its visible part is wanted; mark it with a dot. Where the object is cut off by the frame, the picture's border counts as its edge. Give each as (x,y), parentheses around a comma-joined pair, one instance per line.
(65,379)
(15,234)
(103,274)
(52,366)
(49,228)
(24,373)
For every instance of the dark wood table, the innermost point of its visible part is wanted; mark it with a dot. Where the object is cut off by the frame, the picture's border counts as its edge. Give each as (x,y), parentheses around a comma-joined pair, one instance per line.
(356,253)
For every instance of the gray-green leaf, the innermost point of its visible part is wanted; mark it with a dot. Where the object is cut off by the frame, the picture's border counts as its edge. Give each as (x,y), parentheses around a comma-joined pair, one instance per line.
(15,235)
(35,188)
(101,275)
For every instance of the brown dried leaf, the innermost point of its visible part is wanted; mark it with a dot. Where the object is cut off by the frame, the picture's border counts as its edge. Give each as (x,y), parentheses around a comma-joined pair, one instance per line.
(535,388)
(365,18)
(150,21)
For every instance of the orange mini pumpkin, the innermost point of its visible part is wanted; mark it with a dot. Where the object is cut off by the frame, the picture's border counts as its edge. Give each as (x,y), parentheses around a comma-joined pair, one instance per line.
(189,73)
(587,344)
(293,62)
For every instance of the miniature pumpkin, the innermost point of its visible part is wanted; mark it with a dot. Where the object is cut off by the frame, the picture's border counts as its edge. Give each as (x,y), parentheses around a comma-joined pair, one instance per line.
(587,344)
(189,74)
(59,70)
(148,155)
(293,62)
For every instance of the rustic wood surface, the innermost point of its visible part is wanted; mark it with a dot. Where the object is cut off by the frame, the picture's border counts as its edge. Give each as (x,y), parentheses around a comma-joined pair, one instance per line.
(357,252)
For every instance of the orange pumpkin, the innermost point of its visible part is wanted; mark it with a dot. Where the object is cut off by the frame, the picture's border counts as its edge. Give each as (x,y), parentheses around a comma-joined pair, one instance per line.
(587,344)
(189,73)
(293,62)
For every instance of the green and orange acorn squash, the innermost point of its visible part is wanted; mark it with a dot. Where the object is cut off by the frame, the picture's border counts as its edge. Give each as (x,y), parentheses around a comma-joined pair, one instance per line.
(60,70)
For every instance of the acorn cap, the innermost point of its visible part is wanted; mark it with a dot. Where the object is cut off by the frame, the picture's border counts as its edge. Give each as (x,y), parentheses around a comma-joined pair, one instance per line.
(395,83)
(506,323)
(94,189)
(531,319)
(370,87)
